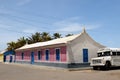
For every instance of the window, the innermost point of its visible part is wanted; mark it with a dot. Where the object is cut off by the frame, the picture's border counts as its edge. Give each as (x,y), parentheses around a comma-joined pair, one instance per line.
(47,54)
(39,55)
(113,53)
(118,53)
(22,56)
(57,54)
(107,53)
(100,54)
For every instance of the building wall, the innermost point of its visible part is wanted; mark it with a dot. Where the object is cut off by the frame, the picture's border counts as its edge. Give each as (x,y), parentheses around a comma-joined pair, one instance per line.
(52,55)
(1,57)
(8,58)
(75,48)
(18,55)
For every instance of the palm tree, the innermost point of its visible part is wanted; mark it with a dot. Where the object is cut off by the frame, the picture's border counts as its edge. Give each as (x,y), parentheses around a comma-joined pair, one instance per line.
(11,45)
(35,38)
(21,42)
(68,35)
(46,36)
(56,35)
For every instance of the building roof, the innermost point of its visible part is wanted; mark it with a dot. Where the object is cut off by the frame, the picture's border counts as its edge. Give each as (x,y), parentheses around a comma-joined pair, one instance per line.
(51,42)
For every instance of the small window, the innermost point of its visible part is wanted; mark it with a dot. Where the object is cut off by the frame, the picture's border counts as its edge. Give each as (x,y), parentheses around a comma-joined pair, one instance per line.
(47,54)
(113,53)
(22,56)
(39,55)
(118,53)
(99,54)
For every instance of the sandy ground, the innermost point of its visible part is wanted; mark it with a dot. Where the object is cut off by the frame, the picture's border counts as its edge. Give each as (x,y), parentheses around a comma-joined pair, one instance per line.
(26,72)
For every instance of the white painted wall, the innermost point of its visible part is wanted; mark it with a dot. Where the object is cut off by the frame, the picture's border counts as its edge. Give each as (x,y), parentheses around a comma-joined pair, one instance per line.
(75,48)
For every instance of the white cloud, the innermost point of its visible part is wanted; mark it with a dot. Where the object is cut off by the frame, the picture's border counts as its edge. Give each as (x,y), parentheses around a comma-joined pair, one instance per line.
(73,25)
(29,30)
(23,2)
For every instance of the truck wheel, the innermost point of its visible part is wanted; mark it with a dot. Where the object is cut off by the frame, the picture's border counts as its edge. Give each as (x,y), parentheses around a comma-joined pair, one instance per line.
(107,65)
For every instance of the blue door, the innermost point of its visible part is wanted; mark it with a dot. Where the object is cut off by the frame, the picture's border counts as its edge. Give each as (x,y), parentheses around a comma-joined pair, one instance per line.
(85,55)
(11,59)
(4,58)
(32,58)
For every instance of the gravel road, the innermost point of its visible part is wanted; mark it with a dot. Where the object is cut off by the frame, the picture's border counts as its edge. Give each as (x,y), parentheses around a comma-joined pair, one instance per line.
(26,72)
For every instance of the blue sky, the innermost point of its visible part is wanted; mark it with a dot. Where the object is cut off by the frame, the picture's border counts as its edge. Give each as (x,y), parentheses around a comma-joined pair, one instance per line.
(101,19)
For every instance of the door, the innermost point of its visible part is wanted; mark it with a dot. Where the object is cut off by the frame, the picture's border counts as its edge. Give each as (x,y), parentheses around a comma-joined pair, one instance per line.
(85,55)
(11,58)
(4,58)
(32,57)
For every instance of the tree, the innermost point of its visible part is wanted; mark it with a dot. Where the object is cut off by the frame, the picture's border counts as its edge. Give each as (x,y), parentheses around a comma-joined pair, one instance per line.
(46,36)
(11,45)
(21,42)
(14,45)
(56,35)
(68,35)
(35,38)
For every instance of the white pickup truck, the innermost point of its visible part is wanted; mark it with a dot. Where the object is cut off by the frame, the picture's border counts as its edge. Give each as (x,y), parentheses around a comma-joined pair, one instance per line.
(107,57)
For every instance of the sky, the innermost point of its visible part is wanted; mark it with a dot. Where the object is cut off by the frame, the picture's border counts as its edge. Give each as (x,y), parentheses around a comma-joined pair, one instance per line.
(101,18)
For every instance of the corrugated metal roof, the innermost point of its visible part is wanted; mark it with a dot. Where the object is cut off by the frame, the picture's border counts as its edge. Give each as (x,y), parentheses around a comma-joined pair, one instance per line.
(51,42)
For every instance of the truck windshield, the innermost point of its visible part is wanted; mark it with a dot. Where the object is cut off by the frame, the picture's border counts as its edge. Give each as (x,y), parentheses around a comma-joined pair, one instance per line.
(107,53)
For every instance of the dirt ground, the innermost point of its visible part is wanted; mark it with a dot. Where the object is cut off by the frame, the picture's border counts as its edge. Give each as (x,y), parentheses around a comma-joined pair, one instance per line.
(27,72)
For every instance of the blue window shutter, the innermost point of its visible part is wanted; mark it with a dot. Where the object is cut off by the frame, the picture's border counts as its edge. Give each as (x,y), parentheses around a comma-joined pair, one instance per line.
(57,54)
(39,55)
(22,56)
(32,57)
(47,55)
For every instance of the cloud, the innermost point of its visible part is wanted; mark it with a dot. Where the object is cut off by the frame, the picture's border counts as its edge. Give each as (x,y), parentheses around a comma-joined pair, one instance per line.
(29,30)
(73,25)
(23,2)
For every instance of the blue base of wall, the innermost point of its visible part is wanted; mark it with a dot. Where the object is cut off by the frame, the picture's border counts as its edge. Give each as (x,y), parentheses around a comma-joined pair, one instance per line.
(78,65)
(60,65)
(22,62)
